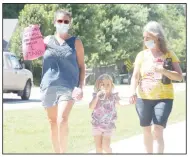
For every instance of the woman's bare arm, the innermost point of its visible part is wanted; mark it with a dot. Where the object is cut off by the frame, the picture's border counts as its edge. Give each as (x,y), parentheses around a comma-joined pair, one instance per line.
(176,74)
(80,58)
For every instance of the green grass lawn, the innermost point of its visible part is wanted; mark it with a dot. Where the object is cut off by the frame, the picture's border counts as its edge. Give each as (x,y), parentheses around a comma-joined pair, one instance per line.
(27,131)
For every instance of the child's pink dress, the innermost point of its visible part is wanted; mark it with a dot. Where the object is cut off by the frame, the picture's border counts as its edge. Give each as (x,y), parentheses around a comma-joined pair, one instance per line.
(104,115)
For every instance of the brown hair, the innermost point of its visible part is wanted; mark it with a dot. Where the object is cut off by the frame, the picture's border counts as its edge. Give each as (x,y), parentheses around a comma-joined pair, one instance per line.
(156,30)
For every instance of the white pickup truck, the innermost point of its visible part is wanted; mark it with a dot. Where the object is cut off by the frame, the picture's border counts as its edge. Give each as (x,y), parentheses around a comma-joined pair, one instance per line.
(16,79)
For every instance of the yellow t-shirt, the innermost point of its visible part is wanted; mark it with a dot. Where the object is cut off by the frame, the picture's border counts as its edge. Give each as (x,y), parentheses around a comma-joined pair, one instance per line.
(150,85)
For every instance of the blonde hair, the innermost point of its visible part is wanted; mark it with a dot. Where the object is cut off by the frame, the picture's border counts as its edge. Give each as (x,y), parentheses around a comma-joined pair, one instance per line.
(156,30)
(100,79)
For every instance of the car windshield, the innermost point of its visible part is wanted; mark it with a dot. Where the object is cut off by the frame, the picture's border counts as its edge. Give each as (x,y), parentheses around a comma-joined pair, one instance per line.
(14,61)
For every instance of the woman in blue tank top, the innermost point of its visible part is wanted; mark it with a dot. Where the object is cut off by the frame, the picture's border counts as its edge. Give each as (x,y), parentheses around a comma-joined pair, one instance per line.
(63,70)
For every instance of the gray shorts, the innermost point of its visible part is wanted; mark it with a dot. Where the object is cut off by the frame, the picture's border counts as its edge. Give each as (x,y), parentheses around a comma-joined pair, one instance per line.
(53,95)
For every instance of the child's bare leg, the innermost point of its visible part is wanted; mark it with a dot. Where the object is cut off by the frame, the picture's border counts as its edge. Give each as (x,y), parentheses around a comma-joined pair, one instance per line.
(106,144)
(98,143)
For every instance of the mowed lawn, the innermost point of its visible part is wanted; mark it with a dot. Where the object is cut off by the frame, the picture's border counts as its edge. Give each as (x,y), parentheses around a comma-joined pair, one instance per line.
(27,131)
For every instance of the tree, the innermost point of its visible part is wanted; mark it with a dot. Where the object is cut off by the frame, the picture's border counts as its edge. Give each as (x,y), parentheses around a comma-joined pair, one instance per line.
(173,19)
(109,32)
(11,11)
(33,14)
(101,27)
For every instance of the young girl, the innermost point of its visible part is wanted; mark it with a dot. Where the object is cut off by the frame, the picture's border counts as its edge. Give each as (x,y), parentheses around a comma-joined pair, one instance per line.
(104,112)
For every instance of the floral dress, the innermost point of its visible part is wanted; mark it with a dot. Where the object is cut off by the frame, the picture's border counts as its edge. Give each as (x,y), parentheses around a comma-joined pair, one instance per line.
(104,114)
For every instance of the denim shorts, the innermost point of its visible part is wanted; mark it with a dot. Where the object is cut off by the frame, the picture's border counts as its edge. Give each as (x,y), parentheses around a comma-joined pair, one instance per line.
(55,94)
(153,111)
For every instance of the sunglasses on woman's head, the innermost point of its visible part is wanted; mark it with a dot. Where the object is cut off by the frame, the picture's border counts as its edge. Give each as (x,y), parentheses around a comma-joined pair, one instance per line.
(63,21)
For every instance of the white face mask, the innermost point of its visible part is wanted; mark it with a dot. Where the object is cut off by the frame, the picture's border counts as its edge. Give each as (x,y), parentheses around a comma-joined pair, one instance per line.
(62,28)
(149,44)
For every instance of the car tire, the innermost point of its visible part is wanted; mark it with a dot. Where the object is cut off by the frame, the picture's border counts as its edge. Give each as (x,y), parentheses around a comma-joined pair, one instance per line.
(26,91)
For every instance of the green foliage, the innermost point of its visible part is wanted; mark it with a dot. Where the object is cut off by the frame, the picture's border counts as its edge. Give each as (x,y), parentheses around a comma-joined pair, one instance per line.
(16,42)
(173,19)
(11,11)
(109,32)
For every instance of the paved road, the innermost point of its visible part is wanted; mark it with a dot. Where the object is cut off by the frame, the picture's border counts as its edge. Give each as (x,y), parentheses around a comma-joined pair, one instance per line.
(13,102)
(174,135)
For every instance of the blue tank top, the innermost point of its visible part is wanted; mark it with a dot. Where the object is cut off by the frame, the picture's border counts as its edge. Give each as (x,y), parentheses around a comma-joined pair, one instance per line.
(60,66)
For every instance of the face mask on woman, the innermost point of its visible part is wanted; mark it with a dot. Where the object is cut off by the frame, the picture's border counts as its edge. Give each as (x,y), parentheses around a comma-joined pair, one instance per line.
(62,28)
(149,44)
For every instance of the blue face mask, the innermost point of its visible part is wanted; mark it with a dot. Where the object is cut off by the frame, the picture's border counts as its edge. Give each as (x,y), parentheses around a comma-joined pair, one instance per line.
(149,44)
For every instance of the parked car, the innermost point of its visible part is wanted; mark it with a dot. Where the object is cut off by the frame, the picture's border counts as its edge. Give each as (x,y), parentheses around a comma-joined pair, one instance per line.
(122,79)
(16,79)
(126,78)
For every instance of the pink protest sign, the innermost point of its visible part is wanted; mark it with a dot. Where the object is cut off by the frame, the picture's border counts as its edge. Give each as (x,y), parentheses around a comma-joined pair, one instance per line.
(33,45)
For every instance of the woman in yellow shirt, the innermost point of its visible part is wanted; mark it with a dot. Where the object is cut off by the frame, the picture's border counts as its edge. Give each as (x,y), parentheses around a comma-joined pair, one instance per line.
(153,96)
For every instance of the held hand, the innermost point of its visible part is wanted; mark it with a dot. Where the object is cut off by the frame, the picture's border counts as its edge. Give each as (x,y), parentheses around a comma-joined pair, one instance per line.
(46,40)
(80,95)
(77,93)
(132,99)
(100,93)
